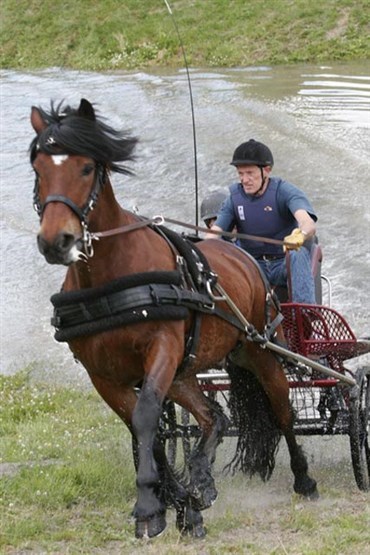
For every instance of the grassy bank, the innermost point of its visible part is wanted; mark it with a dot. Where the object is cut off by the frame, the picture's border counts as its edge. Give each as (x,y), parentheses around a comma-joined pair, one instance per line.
(67,486)
(136,34)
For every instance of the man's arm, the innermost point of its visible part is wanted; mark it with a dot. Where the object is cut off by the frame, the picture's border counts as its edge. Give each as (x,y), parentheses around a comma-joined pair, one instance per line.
(305,223)
(213,235)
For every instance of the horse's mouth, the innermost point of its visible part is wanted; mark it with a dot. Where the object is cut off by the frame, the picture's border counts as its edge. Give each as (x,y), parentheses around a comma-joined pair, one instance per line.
(55,254)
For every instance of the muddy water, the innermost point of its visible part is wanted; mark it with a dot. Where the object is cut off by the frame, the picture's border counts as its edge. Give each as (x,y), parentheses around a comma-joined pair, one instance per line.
(315,119)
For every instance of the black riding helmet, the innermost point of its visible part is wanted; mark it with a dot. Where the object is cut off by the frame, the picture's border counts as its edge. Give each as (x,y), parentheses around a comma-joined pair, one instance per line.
(252,152)
(211,205)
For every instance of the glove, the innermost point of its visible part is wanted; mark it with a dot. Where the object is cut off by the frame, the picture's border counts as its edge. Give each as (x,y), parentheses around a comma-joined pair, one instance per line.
(295,240)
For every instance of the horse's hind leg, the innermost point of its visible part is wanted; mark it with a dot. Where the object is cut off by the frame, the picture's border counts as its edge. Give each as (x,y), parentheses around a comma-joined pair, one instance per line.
(188,519)
(213,423)
(276,386)
(303,483)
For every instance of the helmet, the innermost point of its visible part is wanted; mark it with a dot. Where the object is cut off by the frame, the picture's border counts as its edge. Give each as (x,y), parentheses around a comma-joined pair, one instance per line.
(252,152)
(211,205)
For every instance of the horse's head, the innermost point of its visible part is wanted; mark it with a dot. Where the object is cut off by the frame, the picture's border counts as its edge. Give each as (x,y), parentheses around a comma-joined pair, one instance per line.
(72,155)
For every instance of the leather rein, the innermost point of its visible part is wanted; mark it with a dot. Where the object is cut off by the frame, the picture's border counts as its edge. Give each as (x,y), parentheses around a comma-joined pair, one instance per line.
(160,220)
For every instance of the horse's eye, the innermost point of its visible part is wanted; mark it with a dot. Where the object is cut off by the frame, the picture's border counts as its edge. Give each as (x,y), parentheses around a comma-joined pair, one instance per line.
(87,169)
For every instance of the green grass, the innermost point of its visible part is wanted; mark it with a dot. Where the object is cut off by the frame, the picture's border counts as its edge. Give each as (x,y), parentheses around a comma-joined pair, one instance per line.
(67,486)
(134,34)
(74,476)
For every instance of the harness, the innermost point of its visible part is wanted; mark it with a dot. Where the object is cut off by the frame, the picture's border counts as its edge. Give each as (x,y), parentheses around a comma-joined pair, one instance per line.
(81,213)
(155,296)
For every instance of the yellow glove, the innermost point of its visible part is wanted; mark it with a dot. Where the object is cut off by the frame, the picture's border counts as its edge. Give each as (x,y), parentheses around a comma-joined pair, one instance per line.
(295,240)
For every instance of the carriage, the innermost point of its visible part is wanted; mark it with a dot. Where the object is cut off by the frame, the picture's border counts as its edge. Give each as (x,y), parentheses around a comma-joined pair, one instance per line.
(324,404)
(147,312)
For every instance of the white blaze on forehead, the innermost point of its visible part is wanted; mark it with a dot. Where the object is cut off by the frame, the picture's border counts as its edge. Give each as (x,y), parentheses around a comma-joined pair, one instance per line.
(58,159)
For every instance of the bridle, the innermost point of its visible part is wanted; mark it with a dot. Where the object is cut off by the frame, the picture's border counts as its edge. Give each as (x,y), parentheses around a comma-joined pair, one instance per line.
(81,213)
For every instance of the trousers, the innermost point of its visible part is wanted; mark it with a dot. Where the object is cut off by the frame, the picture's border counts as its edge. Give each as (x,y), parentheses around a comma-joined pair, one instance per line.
(302,280)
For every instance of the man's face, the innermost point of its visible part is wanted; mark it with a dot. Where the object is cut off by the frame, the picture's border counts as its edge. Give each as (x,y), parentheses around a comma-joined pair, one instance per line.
(251,178)
(209,223)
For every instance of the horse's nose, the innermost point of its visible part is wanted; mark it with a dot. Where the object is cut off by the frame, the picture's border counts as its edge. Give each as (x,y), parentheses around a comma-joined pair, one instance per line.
(57,251)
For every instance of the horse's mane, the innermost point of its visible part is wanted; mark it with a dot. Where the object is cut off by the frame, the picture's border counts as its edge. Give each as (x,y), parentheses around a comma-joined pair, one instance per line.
(67,132)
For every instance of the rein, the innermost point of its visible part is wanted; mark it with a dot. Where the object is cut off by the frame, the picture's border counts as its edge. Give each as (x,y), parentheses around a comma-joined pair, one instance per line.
(157,220)
(160,220)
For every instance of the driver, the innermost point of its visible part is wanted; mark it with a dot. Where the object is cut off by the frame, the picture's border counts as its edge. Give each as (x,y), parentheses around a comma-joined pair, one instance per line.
(260,204)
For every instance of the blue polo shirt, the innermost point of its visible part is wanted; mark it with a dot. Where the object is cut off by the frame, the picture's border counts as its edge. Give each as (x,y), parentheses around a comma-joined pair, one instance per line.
(268,215)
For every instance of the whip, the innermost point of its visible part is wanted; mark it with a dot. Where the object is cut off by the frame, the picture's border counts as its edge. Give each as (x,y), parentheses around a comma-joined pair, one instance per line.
(191,107)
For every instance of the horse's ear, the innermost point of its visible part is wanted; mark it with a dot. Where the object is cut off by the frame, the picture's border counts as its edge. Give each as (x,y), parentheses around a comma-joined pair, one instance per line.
(86,109)
(36,120)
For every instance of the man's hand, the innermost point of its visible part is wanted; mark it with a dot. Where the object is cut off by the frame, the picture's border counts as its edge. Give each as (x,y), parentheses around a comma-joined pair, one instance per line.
(295,240)
(214,235)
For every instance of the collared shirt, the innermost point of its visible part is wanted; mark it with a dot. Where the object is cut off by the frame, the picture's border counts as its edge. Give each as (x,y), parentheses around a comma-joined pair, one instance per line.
(270,214)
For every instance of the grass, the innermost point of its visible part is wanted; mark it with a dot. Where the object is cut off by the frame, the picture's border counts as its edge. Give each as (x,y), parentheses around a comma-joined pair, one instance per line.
(68,486)
(134,34)
(68,454)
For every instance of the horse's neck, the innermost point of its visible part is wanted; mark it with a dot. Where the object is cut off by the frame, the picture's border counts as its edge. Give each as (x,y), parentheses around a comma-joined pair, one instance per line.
(108,213)
(121,254)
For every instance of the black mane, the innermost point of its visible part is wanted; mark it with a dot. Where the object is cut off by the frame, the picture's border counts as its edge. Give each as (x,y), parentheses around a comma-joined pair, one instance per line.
(67,132)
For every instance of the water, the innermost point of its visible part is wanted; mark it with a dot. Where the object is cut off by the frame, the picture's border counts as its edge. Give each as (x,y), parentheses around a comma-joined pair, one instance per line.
(315,119)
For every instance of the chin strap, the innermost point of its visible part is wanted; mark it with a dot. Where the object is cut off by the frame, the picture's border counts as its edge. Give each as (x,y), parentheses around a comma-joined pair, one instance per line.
(263,179)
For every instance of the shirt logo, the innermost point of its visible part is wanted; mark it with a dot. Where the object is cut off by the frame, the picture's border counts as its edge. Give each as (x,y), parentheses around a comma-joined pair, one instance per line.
(241,212)
(267,209)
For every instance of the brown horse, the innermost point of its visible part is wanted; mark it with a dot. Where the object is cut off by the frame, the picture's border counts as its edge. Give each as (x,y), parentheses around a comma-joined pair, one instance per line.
(72,155)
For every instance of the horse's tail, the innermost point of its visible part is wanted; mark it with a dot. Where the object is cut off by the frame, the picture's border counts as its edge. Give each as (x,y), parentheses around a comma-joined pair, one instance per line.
(258,432)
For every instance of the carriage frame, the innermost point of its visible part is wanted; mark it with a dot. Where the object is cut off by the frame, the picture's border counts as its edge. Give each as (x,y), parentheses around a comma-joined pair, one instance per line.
(324,405)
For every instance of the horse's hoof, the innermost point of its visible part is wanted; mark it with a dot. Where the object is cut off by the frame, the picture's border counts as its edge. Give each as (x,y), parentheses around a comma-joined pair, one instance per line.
(314,495)
(150,528)
(198,531)
(308,489)
(195,530)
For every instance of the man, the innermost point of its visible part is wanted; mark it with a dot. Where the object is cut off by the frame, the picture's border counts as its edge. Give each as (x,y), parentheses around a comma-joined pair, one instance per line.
(270,207)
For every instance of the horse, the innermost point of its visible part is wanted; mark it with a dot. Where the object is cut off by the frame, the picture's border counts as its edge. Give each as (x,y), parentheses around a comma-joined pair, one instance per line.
(138,363)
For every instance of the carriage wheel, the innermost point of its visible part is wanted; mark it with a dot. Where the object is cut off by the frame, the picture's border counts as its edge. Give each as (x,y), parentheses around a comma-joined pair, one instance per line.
(168,431)
(359,429)
(178,434)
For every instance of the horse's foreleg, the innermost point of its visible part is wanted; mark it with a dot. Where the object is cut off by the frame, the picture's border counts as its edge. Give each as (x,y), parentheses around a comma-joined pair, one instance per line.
(141,415)
(161,361)
(150,506)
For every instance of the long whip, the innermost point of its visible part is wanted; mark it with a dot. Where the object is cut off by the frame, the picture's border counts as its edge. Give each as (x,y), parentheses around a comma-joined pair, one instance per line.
(191,107)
